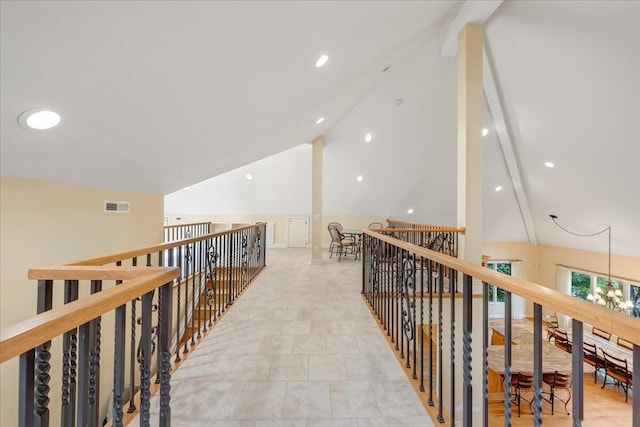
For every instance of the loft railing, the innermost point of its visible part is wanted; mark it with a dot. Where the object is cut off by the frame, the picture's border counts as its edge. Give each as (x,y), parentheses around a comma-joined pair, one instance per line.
(418,305)
(439,238)
(214,270)
(173,233)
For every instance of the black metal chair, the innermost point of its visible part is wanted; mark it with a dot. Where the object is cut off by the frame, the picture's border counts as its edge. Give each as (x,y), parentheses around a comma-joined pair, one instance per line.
(520,382)
(557,381)
(618,370)
(341,244)
(332,245)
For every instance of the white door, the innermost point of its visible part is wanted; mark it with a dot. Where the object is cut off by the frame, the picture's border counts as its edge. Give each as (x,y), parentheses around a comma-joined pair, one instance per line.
(298,232)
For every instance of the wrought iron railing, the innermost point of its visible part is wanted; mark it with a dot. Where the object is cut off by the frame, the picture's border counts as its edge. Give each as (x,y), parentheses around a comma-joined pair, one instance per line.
(439,238)
(214,270)
(173,233)
(412,291)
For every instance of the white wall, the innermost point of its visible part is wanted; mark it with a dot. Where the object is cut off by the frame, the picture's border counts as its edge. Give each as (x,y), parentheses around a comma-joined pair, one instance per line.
(45,223)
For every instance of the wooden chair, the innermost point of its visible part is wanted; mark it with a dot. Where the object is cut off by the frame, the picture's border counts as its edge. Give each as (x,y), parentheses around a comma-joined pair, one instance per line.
(624,343)
(552,325)
(342,245)
(618,370)
(557,381)
(562,340)
(522,382)
(590,356)
(600,333)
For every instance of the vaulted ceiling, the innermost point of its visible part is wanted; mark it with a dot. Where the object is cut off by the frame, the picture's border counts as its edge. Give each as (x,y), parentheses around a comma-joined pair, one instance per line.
(157,96)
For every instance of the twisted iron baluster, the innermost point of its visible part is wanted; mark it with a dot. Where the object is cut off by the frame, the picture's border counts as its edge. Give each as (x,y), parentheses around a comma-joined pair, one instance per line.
(186,298)
(408,306)
(42,376)
(193,299)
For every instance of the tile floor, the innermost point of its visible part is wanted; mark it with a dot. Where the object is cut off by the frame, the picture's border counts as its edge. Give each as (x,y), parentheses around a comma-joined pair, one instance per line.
(298,349)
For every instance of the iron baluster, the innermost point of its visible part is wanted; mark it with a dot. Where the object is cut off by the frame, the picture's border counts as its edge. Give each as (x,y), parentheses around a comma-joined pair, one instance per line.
(132,356)
(452,293)
(94,361)
(145,360)
(440,417)
(193,296)
(421,388)
(537,364)
(70,357)
(467,329)
(485,354)
(119,365)
(187,262)
(165,300)
(430,330)
(82,416)
(577,349)
(507,357)
(39,395)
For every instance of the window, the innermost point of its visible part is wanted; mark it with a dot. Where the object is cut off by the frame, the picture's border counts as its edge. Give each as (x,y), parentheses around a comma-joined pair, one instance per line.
(502,267)
(634,297)
(580,285)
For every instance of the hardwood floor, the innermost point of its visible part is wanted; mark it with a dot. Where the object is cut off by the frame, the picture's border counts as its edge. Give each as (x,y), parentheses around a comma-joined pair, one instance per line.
(602,407)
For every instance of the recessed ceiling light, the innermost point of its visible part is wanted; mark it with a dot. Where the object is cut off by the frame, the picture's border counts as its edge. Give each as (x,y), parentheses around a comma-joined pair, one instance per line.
(368,138)
(359,178)
(410,211)
(320,120)
(549,164)
(322,60)
(498,188)
(39,119)
(249,176)
(485,132)
(187,188)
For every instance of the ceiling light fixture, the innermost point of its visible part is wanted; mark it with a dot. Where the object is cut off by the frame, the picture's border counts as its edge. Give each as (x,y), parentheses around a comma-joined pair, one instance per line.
(359,178)
(322,60)
(498,188)
(320,120)
(39,119)
(485,132)
(549,164)
(368,138)
(410,211)
(249,176)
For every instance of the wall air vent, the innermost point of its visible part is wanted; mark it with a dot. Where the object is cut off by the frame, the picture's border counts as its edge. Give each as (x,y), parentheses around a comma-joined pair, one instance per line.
(116,207)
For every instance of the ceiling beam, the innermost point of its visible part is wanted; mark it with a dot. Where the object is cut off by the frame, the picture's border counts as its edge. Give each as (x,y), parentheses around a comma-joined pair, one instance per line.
(507,145)
(475,12)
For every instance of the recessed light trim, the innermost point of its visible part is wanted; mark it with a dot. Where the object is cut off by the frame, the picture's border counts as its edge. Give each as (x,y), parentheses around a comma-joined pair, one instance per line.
(320,120)
(549,164)
(322,60)
(39,119)
(359,178)
(368,138)
(485,132)
(410,211)
(249,176)
(498,188)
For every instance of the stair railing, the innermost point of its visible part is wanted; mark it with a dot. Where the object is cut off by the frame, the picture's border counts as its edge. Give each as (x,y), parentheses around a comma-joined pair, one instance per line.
(115,287)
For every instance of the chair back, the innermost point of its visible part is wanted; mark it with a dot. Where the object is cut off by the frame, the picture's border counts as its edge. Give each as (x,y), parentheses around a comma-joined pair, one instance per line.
(562,340)
(624,343)
(562,380)
(552,320)
(602,334)
(590,351)
(375,225)
(337,225)
(615,363)
(336,236)
(523,380)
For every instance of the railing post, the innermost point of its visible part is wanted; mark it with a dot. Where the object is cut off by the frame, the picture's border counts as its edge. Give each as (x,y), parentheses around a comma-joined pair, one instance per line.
(165,298)
(577,373)
(537,364)
(467,321)
(145,360)
(636,387)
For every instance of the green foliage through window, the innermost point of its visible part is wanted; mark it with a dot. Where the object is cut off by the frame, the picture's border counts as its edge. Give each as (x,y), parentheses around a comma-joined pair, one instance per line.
(502,267)
(580,285)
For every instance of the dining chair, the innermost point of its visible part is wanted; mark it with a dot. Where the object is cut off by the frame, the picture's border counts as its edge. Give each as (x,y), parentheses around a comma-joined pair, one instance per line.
(624,343)
(332,246)
(552,324)
(557,381)
(618,370)
(342,245)
(562,340)
(375,225)
(590,356)
(600,333)
(520,382)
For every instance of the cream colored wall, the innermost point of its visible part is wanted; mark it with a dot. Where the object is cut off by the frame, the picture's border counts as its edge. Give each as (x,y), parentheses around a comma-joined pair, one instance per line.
(280,222)
(522,251)
(44,223)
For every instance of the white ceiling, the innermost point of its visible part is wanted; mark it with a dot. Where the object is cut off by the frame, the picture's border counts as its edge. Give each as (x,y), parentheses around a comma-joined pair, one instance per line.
(157,96)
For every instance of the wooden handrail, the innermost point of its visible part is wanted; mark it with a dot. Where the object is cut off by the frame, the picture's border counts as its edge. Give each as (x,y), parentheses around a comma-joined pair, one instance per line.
(166,227)
(425,227)
(439,229)
(22,336)
(119,256)
(619,324)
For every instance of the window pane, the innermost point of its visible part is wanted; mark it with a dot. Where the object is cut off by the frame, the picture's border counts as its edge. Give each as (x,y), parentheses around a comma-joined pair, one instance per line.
(505,268)
(635,299)
(500,295)
(580,285)
(491,290)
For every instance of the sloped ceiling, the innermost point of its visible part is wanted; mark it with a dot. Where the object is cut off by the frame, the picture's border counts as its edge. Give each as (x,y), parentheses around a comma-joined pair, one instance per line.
(157,96)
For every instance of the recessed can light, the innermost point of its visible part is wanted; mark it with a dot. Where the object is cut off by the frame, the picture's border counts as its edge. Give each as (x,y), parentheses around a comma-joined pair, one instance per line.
(320,120)
(485,132)
(249,176)
(549,164)
(359,178)
(322,60)
(498,188)
(410,211)
(368,138)
(39,119)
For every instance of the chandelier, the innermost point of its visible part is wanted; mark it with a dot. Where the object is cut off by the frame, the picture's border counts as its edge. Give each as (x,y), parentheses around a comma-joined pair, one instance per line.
(608,295)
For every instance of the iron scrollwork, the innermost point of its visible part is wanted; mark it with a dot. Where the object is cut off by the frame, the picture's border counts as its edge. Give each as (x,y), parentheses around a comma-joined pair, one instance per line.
(408,306)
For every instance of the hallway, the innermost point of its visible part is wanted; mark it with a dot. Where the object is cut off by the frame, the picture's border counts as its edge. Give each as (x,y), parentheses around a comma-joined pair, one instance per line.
(298,349)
